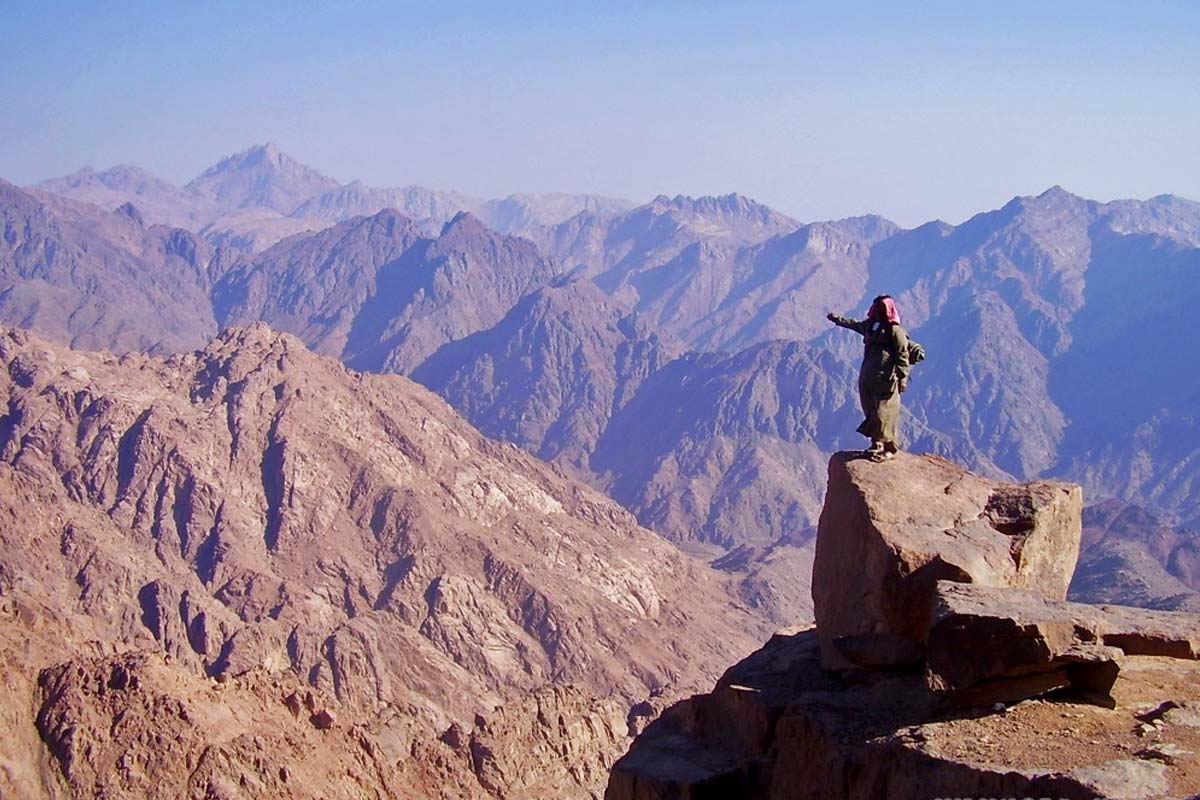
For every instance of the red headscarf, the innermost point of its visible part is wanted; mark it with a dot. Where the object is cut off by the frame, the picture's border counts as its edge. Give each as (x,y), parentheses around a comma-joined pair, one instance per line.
(889,307)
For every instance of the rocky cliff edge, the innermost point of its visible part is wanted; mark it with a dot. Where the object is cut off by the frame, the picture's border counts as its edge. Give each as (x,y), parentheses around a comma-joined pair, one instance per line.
(945,662)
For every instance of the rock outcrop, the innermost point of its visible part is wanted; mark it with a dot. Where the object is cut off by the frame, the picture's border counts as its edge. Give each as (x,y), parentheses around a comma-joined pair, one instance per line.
(959,584)
(778,726)
(1008,644)
(887,536)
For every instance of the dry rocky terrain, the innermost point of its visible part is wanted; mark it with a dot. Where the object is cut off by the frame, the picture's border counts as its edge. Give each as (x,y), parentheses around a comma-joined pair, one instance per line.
(1132,557)
(252,533)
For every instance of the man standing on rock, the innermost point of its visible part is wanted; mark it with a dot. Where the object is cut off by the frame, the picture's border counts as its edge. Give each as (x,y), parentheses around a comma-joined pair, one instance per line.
(883,375)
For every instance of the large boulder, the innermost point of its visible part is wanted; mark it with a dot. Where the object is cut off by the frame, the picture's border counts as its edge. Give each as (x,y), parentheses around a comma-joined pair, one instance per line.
(889,532)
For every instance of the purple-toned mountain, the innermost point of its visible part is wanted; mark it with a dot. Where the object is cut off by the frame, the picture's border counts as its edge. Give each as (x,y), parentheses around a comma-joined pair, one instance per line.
(261,177)
(515,214)
(378,295)
(356,199)
(101,279)
(158,201)
(720,272)
(552,373)
(713,451)
(723,448)
(1022,310)
(1037,317)
(530,213)
(234,204)
(613,247)
(253,199)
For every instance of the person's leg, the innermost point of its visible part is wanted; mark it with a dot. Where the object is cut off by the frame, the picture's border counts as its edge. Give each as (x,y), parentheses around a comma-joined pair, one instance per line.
(870,423)
(889,424)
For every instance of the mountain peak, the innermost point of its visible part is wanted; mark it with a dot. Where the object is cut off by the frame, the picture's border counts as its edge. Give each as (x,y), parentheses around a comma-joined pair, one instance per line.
(725,205)
(465,225)
(266,155)
(1053,199)
(261,176)
(1057,192)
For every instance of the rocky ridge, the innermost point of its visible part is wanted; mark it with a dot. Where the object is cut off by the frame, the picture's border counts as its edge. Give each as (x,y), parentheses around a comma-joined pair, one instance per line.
(342,554)
(377,294)
(98,279)
(1132,557)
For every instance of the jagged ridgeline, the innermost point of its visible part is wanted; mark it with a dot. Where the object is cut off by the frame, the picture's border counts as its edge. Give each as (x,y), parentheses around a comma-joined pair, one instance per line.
(1028,309)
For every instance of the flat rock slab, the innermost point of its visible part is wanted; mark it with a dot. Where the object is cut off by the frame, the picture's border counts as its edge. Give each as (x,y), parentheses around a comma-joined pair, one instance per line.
(889,532)
(982,636)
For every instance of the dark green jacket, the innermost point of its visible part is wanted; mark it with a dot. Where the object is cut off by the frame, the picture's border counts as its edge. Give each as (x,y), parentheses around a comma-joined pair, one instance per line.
(885,353)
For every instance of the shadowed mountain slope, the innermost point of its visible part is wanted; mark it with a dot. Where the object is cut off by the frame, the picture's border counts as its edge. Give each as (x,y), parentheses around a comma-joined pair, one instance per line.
(376,294)
(552,373)
(1037,318)
(721,272)
(93,278)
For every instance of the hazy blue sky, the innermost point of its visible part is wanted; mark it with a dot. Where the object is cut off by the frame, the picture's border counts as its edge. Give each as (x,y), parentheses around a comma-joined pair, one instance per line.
(819,110)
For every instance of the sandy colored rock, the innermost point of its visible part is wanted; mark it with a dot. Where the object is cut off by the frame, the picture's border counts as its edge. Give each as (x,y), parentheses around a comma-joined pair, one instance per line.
(779,726)
(980,636)
(252,509)
(889,532)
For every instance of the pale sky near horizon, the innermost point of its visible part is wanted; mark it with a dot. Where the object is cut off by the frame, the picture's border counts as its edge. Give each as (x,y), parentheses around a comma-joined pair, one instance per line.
(819,110)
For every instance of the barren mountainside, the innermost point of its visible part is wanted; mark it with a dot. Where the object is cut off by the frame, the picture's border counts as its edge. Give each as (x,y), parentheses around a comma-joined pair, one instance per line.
(375,293)
(1132,557)
(259,514)
(1037,317)
(100,279)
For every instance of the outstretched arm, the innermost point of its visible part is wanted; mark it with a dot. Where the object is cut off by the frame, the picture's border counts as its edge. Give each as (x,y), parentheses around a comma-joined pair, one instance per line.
(858,326)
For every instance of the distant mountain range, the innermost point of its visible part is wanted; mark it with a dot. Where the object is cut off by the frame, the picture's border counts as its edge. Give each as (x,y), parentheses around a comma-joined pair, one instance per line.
(252,199)
(674,354)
